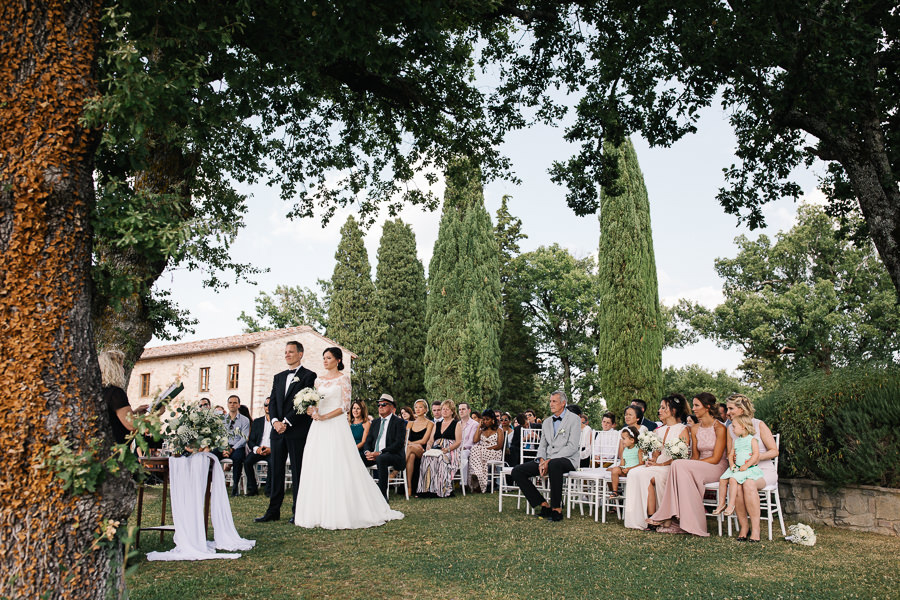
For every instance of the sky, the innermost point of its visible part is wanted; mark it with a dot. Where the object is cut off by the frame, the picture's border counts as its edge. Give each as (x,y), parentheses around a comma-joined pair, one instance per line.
(690,230)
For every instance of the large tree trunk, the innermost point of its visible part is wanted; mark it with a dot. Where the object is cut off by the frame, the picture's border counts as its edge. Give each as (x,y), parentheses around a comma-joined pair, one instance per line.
(49,383)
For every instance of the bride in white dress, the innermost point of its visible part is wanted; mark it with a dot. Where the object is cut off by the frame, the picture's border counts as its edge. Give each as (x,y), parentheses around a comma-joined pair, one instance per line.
(336,490)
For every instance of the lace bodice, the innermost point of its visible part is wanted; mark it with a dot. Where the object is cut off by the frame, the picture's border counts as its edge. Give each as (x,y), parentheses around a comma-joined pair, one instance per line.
(335,394)
(706,441)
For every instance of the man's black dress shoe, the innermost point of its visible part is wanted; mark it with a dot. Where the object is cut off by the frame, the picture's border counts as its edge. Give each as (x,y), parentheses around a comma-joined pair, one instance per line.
(252,494)
(546,513)
(266,518)
(556,516)
(291,520)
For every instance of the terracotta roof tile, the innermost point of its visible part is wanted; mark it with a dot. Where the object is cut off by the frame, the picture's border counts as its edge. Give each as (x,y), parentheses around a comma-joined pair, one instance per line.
(230,342)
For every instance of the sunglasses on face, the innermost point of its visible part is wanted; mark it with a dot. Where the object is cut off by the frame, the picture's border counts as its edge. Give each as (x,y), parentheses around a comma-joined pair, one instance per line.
(381,404)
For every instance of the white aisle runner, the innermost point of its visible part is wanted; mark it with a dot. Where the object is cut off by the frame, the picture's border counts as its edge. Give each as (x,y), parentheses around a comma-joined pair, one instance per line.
(187,487)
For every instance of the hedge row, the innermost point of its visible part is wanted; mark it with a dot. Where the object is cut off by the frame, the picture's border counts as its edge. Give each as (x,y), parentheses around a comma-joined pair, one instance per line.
(842,428)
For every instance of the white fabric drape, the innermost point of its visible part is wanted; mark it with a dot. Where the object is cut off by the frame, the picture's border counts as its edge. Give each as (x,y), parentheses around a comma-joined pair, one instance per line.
(187,487)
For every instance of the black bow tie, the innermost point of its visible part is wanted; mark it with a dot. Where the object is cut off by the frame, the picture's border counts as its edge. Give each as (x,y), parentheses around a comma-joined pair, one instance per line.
(557,418)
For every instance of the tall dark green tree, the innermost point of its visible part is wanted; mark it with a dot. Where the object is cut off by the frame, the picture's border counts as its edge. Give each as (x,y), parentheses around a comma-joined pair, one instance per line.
(518,367)
(353,319)
(463,312)
(629,323)
(400,299)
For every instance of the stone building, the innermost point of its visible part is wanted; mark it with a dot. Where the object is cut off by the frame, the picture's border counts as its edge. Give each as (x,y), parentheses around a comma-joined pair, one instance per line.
(241,365)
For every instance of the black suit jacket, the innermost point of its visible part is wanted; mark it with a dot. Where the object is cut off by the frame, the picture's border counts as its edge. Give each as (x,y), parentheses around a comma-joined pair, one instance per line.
(396,435)
(257,429)
(281,404)
(650,425)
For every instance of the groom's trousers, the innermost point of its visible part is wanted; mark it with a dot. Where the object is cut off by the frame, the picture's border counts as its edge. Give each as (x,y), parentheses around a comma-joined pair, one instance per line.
(384,462)
(282,448)
(556,470)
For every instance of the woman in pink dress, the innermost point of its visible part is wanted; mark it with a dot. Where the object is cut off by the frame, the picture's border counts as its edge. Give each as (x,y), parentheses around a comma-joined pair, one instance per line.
(646,483)
(683,498)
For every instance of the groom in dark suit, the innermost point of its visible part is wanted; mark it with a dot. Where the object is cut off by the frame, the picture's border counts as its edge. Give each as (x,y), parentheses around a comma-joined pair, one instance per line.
(289,429)
(385,446)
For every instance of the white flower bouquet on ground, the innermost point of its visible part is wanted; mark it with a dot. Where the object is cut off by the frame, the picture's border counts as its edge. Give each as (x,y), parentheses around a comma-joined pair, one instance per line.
(802,534)
(305,398)
(678,448)
(649,443)
(195,429)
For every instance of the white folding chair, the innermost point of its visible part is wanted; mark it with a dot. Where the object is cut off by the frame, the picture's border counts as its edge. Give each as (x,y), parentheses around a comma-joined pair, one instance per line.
(529,440)
(606,446)
(586,486)
(769,501)
(398,478)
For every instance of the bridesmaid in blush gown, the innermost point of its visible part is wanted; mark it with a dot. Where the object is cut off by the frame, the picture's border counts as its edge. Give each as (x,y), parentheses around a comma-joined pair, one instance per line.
(683,498)
(647,483)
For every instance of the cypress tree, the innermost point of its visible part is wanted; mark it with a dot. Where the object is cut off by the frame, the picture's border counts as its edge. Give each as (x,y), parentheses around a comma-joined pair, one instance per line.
(353,319)
(463,315)
(400,301)
(518,369)
(630,328)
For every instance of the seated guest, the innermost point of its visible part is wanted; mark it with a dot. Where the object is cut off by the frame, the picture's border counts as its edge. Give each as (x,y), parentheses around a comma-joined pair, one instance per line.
(609,421)
(506,427)
(436,411)
(647,483)
(359,425)
(407,414)
(488,446)
(747,502)
(204,403)
(238,427)
(650,425)
(633,417)
(558,453)
(530,418)
(259,447)
(384,446)
(436,476)
(515,444)
(587,437)
(418,432)
(469,427)
(687,479)
(723,414)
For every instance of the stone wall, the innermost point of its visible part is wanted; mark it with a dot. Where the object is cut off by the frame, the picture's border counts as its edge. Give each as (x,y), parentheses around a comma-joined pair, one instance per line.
(862,508)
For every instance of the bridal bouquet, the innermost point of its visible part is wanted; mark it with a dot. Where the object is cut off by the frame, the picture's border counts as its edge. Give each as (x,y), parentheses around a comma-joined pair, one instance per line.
(192,428)
(649,443)
(802,534)
(305,398)
(678,448)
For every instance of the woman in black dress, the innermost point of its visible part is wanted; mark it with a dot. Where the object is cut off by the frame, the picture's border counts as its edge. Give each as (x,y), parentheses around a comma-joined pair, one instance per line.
(418,432)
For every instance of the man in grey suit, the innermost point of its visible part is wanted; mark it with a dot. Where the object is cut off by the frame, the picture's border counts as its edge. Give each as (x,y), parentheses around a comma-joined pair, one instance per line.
(558,453)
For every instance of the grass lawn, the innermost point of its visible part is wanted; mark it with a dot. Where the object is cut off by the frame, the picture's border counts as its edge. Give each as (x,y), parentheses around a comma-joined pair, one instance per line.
(463,548)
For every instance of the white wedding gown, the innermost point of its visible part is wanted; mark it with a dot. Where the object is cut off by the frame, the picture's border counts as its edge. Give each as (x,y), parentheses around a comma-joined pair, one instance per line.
(336,490)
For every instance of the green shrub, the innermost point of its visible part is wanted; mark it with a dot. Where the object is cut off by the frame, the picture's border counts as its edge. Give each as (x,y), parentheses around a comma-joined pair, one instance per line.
(842,428)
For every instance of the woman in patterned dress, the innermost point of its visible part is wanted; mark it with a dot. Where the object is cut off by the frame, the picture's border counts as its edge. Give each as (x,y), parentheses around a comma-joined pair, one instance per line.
(436,472)
(488,446)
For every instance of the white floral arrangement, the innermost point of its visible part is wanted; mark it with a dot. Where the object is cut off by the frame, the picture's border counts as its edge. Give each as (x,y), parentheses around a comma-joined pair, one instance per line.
(192,429)
(678,449)
(802,534)
(649,443)
(305,398)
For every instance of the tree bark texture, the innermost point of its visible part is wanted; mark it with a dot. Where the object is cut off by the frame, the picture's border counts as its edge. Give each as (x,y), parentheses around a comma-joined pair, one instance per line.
(49,382)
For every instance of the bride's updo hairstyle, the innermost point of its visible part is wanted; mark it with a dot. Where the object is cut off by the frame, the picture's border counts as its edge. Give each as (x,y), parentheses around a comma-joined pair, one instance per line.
(337,354)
